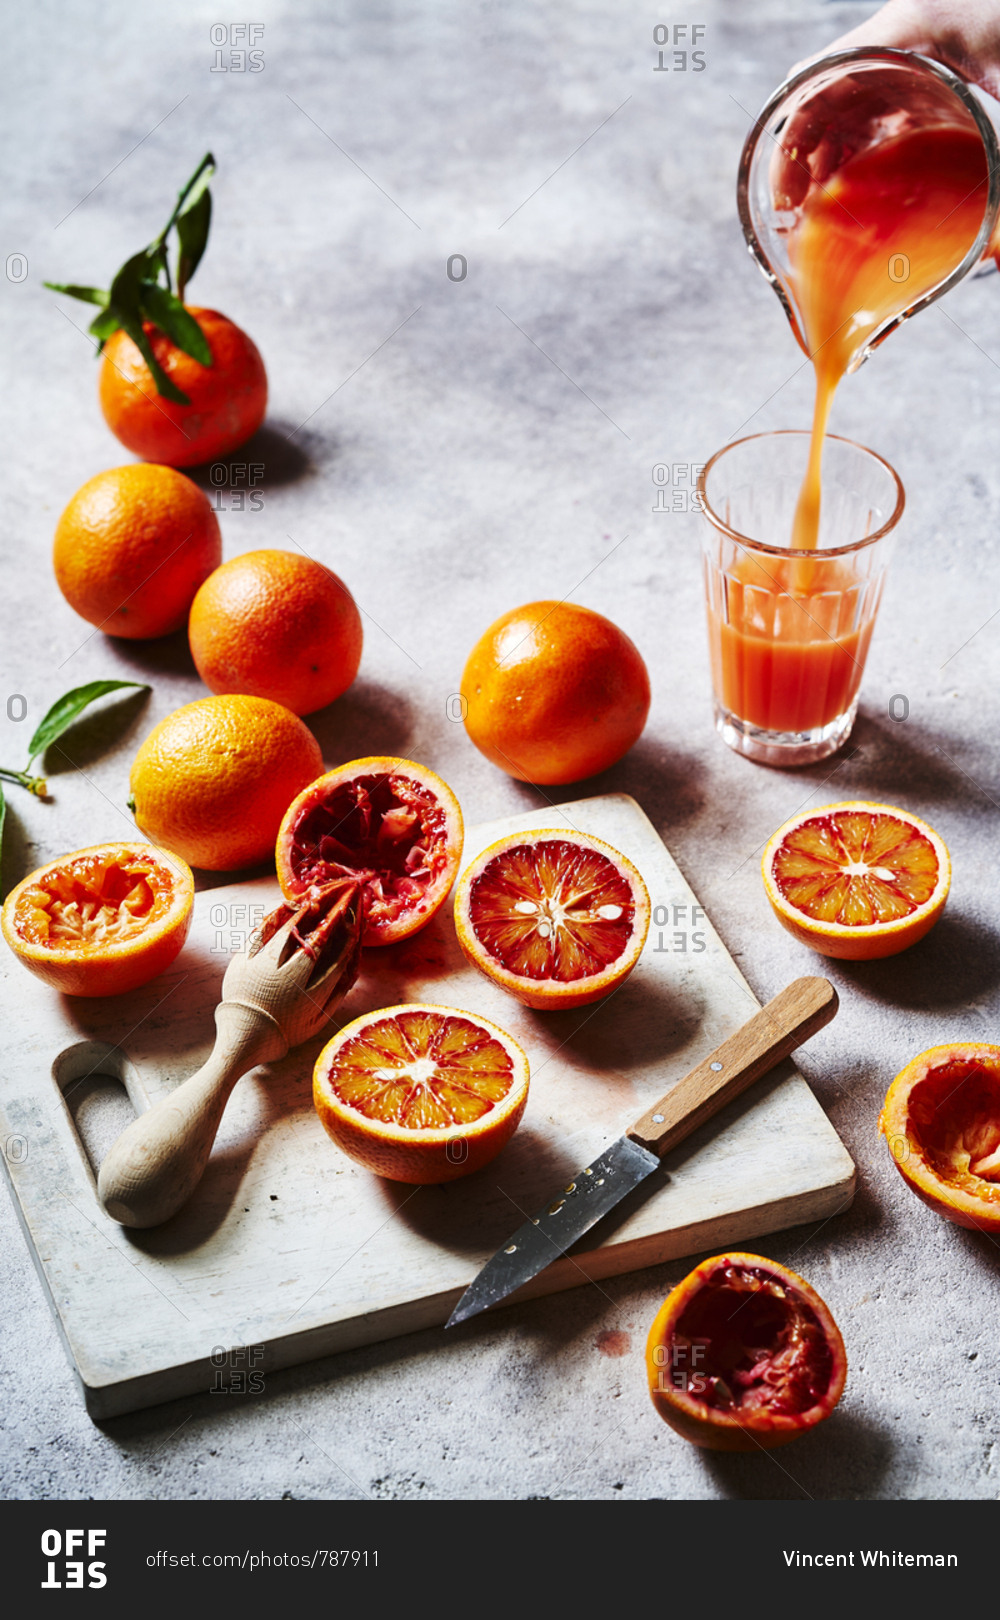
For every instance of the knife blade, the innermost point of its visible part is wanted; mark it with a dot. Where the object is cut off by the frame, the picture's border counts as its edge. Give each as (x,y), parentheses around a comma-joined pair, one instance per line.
(789,1019)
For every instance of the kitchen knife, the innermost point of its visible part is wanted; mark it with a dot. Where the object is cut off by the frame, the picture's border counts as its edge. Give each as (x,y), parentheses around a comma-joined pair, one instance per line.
(794,1014)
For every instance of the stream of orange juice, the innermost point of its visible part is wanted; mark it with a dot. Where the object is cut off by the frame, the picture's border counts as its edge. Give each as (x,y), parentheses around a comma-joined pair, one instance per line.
(887,227)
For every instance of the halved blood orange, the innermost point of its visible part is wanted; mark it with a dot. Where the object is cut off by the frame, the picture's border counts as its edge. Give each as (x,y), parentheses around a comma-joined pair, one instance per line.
(102,920)
(857,880)
(941,1120)
(391,822)
(744,1354)
(556,917)
(421,1093)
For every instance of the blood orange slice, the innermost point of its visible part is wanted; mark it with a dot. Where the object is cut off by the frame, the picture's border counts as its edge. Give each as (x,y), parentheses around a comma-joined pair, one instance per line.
(744,1354)
(941,1120)
(857,880)
(556,917)
(391,822)
(421,1093)
(103,920)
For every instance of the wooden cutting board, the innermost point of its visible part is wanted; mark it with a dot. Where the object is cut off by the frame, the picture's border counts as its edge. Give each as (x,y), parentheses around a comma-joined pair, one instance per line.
(290,1251)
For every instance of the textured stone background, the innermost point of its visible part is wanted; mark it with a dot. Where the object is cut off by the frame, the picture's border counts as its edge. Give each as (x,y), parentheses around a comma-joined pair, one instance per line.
(450,466)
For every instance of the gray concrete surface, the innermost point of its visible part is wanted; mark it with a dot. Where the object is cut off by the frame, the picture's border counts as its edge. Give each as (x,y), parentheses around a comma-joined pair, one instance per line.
(450,466)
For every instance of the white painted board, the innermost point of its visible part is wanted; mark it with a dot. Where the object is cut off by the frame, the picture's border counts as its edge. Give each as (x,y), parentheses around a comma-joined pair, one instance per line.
(288,1245)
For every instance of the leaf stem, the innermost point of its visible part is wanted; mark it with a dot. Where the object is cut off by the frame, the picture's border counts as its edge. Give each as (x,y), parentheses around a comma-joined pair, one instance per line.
(34,784)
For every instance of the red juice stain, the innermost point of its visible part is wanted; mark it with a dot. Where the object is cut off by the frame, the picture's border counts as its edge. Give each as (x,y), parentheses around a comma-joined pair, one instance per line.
(613,1342)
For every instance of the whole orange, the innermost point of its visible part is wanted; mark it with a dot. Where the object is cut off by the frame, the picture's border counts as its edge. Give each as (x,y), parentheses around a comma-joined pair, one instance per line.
(277,625)
(132,547)
(554,692)
(228,398)
(212,781)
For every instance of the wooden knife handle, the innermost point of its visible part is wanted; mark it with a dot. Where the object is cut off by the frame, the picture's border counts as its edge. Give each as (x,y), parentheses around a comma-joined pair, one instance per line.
(794,1014)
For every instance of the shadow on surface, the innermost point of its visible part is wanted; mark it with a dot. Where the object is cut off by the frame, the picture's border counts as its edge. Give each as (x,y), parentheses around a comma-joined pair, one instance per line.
(15,862)
(367,719)
(283,1089)
(400,972)
(543,1326)
(218,880)
(663,782)
(164,655)
(639,1024)
(477,1212)
(100,1109)
(983,1246)
(275,447)
(957,963)
(889,760)
(846,1457)
(95,733)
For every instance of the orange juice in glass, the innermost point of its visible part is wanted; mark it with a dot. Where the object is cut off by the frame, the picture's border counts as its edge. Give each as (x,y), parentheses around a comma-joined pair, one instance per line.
(789,629)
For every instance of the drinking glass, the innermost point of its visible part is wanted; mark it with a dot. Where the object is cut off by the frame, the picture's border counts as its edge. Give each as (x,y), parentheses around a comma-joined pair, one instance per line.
(789,629)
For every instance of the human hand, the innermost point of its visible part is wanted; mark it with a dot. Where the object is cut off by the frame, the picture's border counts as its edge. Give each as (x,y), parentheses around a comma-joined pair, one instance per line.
(834,122)
(963,34)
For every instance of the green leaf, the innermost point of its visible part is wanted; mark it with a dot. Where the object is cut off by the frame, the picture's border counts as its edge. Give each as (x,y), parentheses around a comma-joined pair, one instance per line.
(126,287)
(168,313)
(126,302)
(192,233)
(137,286)
(158,265)
(66,709)
(191,194)
(102,326)
(164,387)
(188,198)
(89,295)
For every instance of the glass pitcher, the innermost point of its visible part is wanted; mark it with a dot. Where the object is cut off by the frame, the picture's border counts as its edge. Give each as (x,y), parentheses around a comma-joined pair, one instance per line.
(824,115)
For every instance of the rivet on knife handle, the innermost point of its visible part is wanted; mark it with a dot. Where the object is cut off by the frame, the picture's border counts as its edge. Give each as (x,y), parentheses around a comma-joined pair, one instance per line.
(790,1018)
